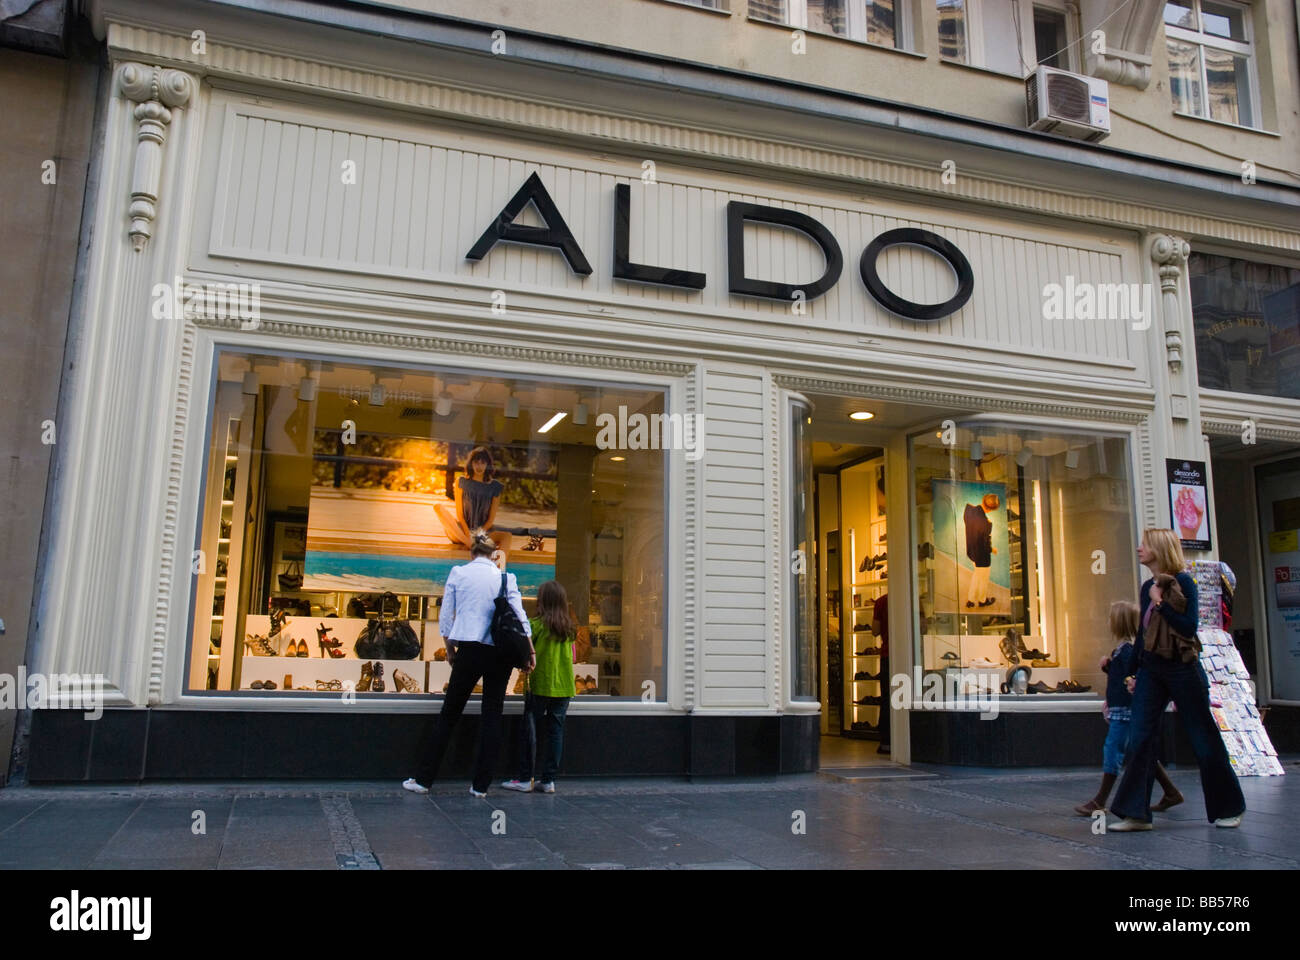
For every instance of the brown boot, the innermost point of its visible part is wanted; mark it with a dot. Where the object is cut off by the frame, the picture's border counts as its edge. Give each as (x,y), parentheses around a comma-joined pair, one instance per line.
(1099,801)
(1172,797)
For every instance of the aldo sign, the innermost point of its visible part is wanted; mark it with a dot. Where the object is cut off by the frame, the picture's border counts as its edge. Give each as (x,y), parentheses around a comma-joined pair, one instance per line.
(557,234)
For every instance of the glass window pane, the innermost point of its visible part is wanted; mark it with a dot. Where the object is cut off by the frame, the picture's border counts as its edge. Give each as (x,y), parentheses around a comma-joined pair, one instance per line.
(952,30)
(774,10)
(1179,14)
(1050,38)
(1247,320)
(881,24)
(828,16)
(803,605)
(1228,86)
(339,496)
(1223,20)
(1006,558)
(1185,77)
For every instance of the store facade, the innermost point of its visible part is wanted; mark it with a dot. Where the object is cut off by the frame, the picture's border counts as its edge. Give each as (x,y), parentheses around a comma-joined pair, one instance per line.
(315,293)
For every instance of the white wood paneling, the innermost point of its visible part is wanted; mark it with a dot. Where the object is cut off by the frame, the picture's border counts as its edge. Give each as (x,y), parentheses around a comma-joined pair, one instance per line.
(736,635)
(423,195)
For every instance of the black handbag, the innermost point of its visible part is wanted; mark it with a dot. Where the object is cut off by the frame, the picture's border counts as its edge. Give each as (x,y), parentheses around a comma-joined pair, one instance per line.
(508,634)
(387,638)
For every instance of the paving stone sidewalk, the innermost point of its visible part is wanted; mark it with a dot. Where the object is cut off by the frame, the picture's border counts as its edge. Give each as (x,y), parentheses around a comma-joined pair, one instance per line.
(916,818)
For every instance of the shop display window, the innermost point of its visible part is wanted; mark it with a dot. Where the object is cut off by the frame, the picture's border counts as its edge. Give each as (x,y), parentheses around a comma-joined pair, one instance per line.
(1247,319)
(1023,539)
(337,497)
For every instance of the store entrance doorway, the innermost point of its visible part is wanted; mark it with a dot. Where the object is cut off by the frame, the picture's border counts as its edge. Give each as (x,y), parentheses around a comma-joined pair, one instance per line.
(860,520)
(1257,499)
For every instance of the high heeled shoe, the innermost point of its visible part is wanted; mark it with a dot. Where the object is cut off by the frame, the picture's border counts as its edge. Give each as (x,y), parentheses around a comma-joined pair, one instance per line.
(302,649)
(325,643)
(367,677)
(404,684)
(258,646)
(377,681)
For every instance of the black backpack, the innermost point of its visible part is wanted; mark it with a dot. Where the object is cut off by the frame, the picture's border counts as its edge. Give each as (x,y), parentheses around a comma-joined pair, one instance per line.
(508,634)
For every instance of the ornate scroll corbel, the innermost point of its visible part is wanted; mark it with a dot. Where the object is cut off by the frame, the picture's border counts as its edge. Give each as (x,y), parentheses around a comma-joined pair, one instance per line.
(154,91)
(1169,255)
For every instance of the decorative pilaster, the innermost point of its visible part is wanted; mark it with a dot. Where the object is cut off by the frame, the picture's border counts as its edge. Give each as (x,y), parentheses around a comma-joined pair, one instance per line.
(154,90)
(1170,255)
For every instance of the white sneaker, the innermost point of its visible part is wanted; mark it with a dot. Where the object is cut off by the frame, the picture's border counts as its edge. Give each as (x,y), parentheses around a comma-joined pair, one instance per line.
(1126,825)
(548,787)
(477,793)
(413,786)
(1229,822)
(520,786)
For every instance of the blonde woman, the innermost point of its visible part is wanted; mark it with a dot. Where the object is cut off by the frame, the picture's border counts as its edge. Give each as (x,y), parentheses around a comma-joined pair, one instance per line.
(1160,679)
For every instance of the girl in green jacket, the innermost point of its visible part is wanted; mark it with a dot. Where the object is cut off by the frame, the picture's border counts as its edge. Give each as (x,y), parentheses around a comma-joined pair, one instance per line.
(550,688)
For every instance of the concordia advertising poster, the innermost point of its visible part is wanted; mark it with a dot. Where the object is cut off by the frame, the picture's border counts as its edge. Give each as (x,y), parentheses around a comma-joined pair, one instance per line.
(381,517)
(972,569)
(1188,503)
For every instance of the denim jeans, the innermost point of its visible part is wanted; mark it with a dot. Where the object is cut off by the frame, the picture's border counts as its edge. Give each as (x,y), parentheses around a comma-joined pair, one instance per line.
(1117,745)
(543,729)
(1158,682)
(472,662)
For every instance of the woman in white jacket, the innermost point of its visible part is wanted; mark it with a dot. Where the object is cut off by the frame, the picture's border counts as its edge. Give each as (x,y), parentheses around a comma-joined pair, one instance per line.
(468,603)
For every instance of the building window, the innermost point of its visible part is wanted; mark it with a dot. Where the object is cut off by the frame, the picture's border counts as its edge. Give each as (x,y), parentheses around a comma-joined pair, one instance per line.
(1247,321)
(706,4)
(1023,539)
(1052,38)
(882,22)
(1211,60)
(334,501)
(803,561)
(1009,38)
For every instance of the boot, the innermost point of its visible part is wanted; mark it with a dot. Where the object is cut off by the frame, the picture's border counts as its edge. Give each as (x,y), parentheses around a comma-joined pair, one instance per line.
(1099,801)
(1172,797)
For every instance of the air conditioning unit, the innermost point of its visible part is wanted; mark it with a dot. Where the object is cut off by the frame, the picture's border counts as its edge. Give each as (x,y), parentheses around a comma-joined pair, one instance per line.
(1067,104)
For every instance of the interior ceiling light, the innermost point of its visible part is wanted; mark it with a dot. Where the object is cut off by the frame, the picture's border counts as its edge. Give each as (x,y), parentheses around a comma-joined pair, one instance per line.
(1024,456)
(545,428)
(377,394)
(861,415)
(618,459)
(976,450)
(250,382)
(512,407)
(1071,459)
(580,414)
(307,389)
(442,406)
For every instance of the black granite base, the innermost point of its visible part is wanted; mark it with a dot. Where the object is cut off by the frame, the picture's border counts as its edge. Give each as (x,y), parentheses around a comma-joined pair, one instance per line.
(135,745)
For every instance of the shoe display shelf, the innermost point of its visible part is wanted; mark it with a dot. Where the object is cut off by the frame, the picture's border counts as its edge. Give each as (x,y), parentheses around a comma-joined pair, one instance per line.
(866,572)
(304,672)
(221,543)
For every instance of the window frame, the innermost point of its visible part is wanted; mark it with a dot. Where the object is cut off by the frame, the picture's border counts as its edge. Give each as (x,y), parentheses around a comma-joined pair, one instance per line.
(973,16)
(856,22)
(1200,39)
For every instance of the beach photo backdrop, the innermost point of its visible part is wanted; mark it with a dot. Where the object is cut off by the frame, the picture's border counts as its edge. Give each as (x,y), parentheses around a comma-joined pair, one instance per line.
(371,524)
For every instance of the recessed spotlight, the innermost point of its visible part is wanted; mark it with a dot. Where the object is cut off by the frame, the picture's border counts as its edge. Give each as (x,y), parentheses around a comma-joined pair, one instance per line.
(545,428)
(861,415)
